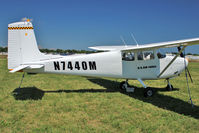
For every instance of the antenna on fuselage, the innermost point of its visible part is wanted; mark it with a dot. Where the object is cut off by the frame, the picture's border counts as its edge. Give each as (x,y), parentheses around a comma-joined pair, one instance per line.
(134,39)
(123,41)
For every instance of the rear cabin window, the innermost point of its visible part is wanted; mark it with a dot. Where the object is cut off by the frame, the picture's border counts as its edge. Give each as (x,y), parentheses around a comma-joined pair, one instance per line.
(145,55)
(128,56)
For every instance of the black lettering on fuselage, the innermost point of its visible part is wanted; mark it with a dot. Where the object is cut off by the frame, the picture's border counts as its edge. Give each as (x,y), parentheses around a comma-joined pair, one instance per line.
(84,65)
(56,65)
(70,66)
(92,65)
(76,65)
(63,63)
(145,67)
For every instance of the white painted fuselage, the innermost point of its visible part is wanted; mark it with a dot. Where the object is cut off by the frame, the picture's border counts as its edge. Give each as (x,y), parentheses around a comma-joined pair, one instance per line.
(110,64)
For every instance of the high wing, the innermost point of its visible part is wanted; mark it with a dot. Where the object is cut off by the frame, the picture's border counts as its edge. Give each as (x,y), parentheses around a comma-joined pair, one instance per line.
(169,44)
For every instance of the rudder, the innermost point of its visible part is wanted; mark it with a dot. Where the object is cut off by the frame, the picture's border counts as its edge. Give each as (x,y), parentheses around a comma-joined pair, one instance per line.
(22,45)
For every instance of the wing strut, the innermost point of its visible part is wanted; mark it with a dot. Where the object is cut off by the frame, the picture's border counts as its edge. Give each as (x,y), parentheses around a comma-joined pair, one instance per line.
(172,61)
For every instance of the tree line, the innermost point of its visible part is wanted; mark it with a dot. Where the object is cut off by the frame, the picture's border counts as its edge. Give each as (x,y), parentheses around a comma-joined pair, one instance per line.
(57,51)
(67,51)
(3,49)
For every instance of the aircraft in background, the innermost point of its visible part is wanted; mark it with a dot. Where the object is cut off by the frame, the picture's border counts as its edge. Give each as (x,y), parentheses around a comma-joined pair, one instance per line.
(141,62)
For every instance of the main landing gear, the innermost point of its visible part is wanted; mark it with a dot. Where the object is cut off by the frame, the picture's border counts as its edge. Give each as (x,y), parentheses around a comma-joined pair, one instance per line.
(148,92)
(169,86)
(125,86)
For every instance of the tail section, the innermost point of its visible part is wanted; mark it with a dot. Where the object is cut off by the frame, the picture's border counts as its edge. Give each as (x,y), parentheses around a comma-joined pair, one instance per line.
(22,45)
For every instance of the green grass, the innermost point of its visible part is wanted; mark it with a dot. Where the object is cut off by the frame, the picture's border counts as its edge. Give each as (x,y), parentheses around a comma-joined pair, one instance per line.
(65,103)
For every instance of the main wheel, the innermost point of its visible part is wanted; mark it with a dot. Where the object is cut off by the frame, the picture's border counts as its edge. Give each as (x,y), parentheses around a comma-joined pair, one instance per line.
(123,85)
(148,92)
(168,88)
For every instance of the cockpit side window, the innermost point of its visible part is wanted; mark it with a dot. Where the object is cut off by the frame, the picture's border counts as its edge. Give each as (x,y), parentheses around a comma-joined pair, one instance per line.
(145,55)
(160,55)
(128,56)
(148,55)
(140,55)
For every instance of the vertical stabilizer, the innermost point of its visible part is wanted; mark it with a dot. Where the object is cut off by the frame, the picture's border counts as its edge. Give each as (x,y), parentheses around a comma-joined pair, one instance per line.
(22,45)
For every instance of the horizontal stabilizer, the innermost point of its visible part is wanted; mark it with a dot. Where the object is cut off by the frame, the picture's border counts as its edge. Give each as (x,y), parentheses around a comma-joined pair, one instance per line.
(18,68)
(35,66)
(21,67)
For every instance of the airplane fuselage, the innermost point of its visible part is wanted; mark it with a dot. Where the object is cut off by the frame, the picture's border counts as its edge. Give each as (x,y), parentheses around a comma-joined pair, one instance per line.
(110,64)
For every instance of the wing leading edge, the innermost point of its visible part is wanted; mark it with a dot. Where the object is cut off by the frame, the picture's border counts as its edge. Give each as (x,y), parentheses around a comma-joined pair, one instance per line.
(186,42)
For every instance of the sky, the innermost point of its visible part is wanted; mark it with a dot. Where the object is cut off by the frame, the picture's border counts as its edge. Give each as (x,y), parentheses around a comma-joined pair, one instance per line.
(78,24)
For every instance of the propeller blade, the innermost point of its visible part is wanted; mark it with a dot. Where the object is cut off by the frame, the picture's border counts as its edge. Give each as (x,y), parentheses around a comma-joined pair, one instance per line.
(189,74)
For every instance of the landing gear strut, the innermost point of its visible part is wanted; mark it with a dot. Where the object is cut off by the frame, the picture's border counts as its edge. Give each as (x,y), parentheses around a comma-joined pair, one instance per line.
(125,86)
(169,86)
(148,92)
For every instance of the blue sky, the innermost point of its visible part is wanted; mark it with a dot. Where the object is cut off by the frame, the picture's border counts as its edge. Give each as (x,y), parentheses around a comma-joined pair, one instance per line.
(78,24)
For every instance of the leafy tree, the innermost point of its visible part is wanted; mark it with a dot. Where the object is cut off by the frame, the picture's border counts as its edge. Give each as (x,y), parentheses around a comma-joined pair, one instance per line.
(3,49)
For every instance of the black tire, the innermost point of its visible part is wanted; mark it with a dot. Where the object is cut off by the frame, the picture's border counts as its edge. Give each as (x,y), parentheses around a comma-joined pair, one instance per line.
(148,92)
(122,85)
(168,88)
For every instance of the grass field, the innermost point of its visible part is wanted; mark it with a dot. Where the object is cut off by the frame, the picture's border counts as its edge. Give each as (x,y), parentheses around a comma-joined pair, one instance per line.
(65,103)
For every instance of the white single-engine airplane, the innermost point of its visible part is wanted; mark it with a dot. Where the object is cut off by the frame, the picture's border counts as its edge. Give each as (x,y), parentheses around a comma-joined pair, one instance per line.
(140,63)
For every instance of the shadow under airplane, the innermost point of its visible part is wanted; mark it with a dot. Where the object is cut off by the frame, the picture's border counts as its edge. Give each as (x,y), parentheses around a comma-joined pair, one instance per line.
(28,93)
(159,100)
(162,101)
